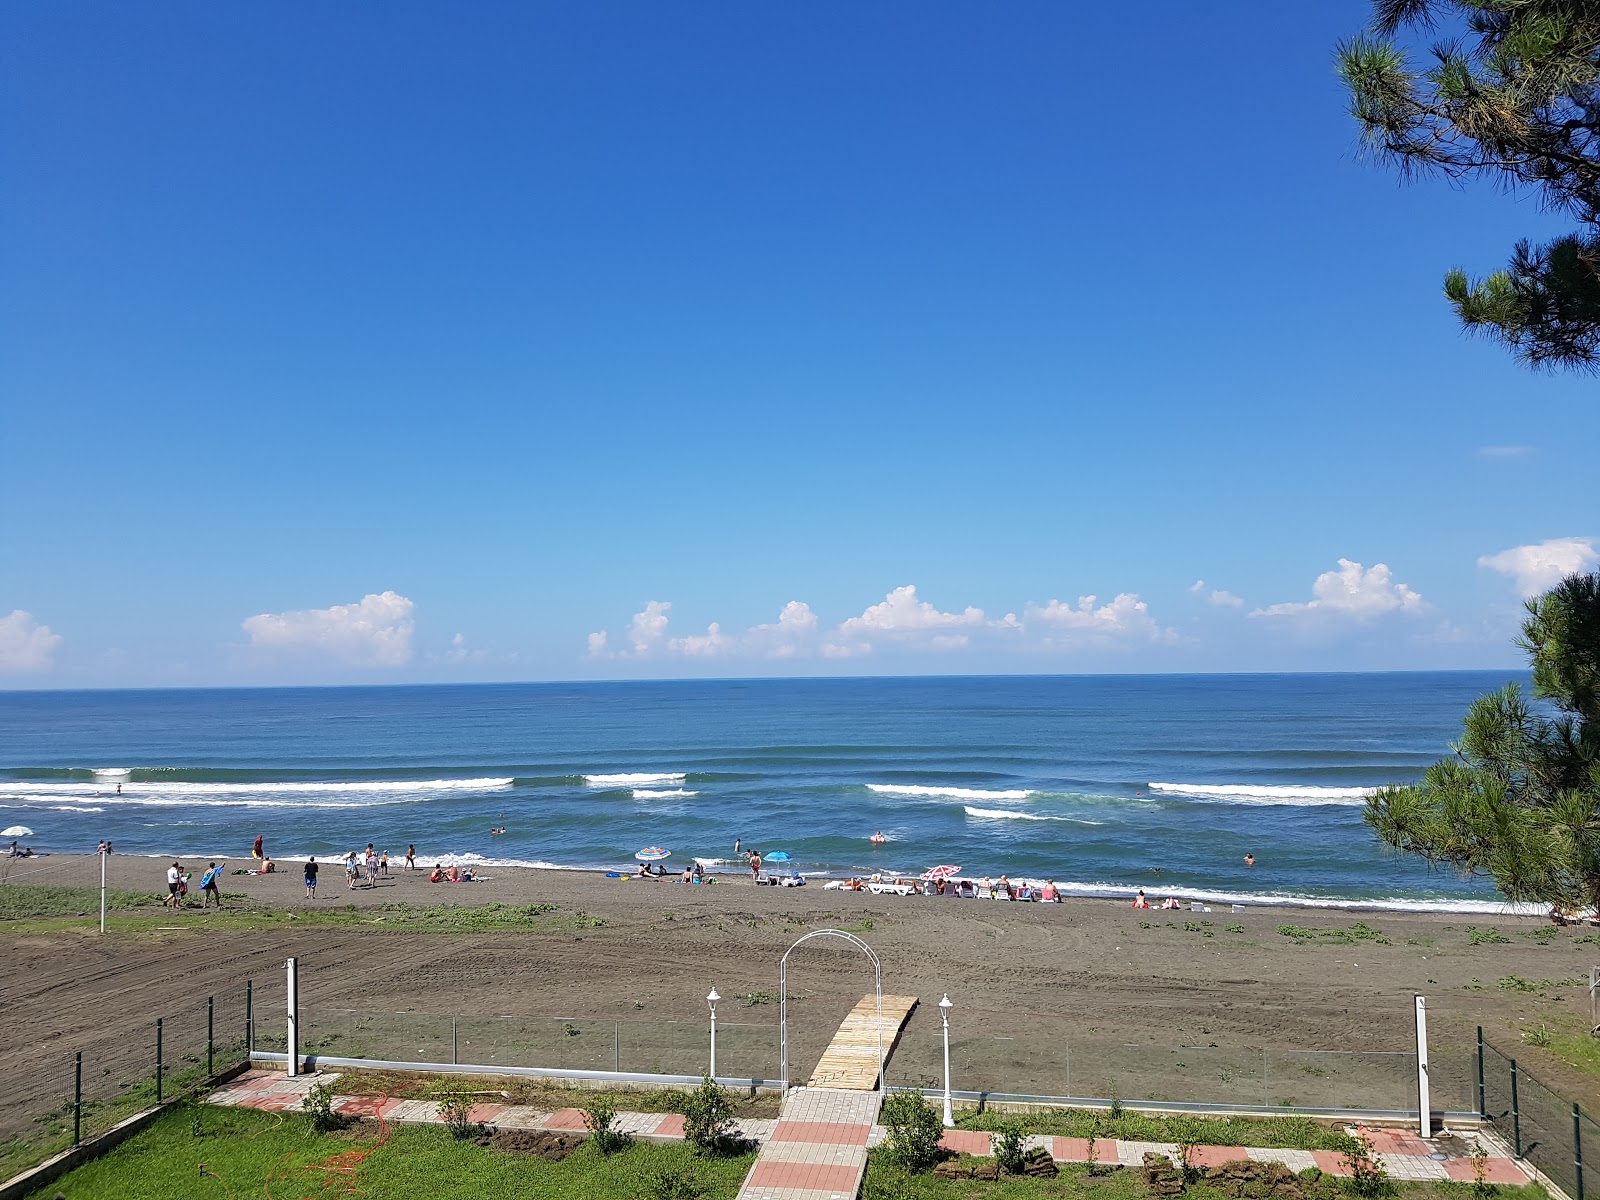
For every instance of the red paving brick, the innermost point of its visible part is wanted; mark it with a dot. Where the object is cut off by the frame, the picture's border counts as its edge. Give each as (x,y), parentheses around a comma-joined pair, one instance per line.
(1330,1162)
(671,1125)
(566,1118)
(822,1177)
(482,1114)
(1216,1156)
(1495,1170)
(1398,1141)
(966,1141)
(827,1133)
(276,1102)
(1072,1149)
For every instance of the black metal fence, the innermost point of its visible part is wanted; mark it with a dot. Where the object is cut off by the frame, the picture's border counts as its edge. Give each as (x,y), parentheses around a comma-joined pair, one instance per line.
(72,1098)
(1538,1123)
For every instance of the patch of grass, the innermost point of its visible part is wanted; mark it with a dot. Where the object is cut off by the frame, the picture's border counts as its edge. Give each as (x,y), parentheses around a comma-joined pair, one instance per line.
(253,1154)
(1359,932)
(20,900)
(1288,1133)
(493,917)
(1485,937)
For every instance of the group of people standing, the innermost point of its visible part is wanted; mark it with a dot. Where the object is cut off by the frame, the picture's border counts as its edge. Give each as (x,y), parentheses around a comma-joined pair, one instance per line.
(360,870)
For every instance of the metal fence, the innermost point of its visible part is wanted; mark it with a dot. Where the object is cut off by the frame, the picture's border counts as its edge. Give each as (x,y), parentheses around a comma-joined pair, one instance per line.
(575,1043)
(1535,1121)
(77,1095)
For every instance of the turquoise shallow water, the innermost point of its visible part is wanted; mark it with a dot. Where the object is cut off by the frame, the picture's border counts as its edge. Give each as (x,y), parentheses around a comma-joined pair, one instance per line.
(1104,783)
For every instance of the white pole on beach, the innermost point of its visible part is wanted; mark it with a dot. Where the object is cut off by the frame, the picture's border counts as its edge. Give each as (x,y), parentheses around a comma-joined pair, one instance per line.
(102,891)
(944,1012)
(292,967)
(1424,1110)
(711,1000)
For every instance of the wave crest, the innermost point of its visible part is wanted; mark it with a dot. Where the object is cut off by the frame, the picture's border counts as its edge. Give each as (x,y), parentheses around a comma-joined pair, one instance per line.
(637,779)
(1012,814)
(1266,793)
(949,793)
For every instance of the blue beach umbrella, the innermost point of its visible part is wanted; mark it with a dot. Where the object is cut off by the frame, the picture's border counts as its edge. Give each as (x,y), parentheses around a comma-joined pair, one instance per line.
(778,856)
(653,854)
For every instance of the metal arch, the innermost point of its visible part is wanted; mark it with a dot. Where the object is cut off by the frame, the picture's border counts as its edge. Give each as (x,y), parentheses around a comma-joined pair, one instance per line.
(783,996)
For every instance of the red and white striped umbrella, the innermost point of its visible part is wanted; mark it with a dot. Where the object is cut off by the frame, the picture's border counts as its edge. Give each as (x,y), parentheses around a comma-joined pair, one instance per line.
(940,872)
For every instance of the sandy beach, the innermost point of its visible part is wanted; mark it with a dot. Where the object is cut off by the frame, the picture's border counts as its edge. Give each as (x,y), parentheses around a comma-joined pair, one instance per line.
(1128,987)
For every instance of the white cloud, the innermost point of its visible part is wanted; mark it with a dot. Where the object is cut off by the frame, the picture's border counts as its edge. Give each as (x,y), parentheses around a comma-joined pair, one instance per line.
(1505,451)
(1123,617)
(25,646)
(1199,585)
(648,627)
(1352,592)
(902,621)
(1222,599)
(375,632)
(1542,565)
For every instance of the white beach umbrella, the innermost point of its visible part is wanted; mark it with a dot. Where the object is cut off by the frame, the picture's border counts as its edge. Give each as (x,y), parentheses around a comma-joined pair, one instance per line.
(17,831)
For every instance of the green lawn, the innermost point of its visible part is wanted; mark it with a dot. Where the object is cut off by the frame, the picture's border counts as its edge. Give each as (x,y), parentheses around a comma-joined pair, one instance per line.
(242,1153)
(1289,1133)
(885,1182)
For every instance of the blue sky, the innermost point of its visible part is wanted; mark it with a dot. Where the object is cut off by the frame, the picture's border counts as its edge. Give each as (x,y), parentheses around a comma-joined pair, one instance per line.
(412,341)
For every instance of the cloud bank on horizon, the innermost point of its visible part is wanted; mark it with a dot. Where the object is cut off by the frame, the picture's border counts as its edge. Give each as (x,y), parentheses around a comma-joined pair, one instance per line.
(378,632)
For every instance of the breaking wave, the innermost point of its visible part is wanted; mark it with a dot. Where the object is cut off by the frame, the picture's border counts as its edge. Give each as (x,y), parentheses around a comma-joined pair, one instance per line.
(660,794)
(1013,815)
(1265,793)
(639,779)
(949,793)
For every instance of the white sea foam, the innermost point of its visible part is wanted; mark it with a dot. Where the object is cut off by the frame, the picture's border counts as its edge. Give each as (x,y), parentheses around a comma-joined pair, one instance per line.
(1280,900)
(1016,815)
(111,772)
(949,793)
(190,800)
(638,779)
(363,786)
(661,794)
(1265,793)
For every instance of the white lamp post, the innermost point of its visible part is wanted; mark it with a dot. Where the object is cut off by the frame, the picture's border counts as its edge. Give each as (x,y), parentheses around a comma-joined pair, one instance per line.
(711,1001)
(944,1013)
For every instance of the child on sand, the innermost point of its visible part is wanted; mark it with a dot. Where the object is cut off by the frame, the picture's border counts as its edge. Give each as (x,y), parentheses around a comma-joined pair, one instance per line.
(411,858)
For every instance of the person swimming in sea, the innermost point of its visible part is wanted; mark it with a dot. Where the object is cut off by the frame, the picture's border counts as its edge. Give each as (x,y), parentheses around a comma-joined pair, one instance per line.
(1249,860)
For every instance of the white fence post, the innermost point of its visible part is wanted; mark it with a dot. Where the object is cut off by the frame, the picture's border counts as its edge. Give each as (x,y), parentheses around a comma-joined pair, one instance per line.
(292,968)
(1424,1102)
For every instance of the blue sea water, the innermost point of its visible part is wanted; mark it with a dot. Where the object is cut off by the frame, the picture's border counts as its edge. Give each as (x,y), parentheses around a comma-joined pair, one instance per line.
(1105,783)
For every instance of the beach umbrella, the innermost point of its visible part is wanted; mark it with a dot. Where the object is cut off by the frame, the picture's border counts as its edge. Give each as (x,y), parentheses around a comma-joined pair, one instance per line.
(943,872)
(778,856)
(17,831)
(653,854)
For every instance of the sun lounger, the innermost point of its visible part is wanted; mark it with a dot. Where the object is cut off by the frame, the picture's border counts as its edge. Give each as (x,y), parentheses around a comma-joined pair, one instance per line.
(985,892)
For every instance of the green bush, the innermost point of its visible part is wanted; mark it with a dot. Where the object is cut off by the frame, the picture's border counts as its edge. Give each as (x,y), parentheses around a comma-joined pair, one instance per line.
(915,1128)
(319,1103)
(1008,1148)
(708,1119)
(455,1108)
(600,1119)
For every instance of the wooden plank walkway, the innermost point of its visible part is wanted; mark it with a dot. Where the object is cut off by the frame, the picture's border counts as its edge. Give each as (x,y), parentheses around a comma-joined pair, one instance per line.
(851,1059)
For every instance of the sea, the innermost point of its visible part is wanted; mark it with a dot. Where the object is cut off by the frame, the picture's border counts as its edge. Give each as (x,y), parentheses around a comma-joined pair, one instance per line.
(1102,783)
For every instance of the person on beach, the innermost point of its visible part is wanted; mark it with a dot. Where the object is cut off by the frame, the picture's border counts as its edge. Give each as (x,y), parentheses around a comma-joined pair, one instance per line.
(210,891)
(1048,891)
(372,868)
(102,848)
(1170,902)
(311,878)
(411,858)
(755,866)
(1139,901)
(119,789)
(438,873)
(351,870)
(256,853)
(697,871)
(174,882)
(1002,890)
(383,863)
(1249,860)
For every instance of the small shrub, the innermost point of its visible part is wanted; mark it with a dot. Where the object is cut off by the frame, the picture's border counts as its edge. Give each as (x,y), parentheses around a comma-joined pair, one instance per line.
(1367,1178)
(673,1183)
(1481,1187)
(708,1119)
(1093,1134)
(1008,1148)
(1187,1141)
(752,999)
(455,1109)
(1539,1036)
(1484,937)
(600,1119)
(915,1128)
(1115,1111)
(319,1103)
(1233,929)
